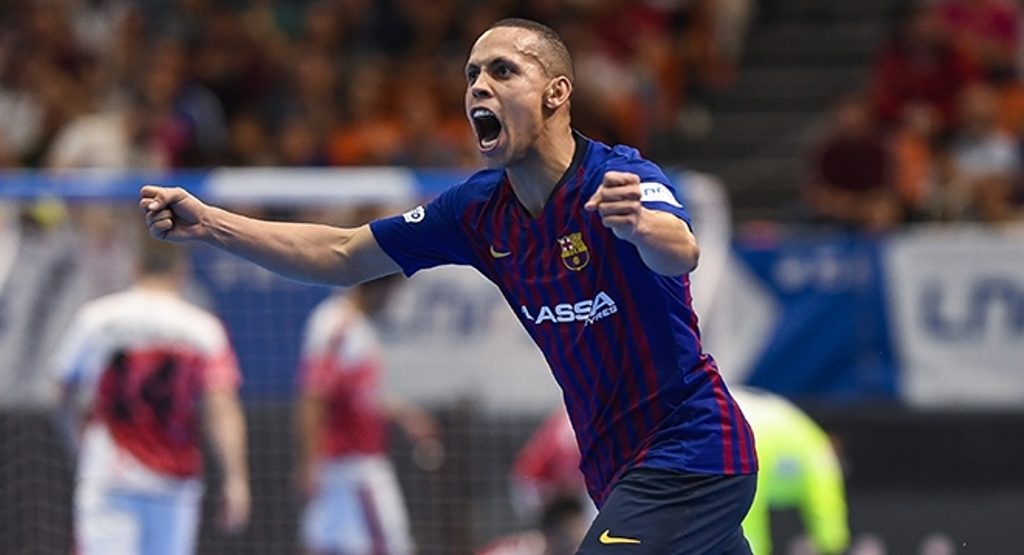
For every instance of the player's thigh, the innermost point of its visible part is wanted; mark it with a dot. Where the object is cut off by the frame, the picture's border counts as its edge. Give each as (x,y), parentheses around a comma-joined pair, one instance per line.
(385,509)
(334,520)
(169,524)
(661,512)
(105,523)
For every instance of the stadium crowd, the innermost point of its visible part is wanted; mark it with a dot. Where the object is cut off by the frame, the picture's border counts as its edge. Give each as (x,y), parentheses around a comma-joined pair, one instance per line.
(197,83)
(936,134)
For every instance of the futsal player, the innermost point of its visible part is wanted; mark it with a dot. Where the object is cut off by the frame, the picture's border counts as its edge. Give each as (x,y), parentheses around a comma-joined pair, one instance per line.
(141,371)
(353,502)
(591,247)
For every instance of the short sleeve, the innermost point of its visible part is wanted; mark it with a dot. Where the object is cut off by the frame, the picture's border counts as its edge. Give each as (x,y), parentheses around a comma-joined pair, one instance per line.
(222,372)
(426,236)
(657,191)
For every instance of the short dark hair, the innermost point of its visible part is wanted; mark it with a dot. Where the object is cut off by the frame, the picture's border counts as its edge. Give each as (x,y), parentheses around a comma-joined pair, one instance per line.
(158,258)
(556,55)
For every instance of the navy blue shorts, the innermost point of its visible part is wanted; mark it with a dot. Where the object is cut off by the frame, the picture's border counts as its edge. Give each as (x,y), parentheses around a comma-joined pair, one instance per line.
(652,511)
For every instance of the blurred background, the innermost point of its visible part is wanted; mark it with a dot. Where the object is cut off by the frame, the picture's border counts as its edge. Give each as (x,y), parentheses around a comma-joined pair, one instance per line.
(854,167)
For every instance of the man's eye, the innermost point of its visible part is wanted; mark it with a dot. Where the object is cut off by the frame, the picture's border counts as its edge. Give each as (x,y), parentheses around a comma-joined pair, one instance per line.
(503,71)
(471,75)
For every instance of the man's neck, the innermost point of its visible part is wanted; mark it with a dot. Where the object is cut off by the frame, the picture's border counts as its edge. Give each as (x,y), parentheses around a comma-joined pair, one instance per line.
(167,284)
(534,178)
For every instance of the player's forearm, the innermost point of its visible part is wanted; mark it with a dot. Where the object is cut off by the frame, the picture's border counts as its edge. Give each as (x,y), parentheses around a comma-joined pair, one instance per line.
(226,426)
(666,244)
(310,425)
(304,252)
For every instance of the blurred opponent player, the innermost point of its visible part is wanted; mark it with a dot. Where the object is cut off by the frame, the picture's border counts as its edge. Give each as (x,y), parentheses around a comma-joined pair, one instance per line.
(592,248)
(562,522)
(547,468)
(353,501)
(799,469)
(139,370)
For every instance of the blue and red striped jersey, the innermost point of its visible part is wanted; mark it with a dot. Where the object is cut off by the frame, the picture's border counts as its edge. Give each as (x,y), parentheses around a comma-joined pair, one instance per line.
(621,339)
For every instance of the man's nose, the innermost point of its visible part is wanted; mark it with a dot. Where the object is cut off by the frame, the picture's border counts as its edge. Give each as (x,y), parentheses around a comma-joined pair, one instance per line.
(481,88)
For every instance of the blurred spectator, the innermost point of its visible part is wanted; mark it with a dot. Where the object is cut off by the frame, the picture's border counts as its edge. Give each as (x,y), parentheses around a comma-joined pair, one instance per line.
(984,161)
(300,143)
(249,141)
(370,134)
(918,65)
(851,173)
(209,70)
(120,138)
(315,91)
(191,120)
(987,31)
(913,151)
(21,112)
(229,72)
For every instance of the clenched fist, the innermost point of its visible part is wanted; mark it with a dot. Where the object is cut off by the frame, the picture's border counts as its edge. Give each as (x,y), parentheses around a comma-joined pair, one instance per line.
(172,214)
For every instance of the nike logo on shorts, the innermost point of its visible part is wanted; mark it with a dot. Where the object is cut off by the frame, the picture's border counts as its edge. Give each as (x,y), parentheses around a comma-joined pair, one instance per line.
(608,539)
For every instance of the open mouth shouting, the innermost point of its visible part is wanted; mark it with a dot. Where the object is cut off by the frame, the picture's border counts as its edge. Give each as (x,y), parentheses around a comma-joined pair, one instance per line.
(487,127)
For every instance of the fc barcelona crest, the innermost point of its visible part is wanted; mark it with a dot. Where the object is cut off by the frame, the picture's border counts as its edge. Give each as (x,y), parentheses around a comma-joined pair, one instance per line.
(575,254)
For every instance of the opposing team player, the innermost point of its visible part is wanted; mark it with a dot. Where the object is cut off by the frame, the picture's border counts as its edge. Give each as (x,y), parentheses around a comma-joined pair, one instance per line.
(353,501)
(592,247)
(799,470)
(140,371)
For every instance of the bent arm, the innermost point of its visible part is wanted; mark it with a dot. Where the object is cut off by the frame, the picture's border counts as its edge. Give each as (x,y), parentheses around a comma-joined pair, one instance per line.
(305,252)
(666,243)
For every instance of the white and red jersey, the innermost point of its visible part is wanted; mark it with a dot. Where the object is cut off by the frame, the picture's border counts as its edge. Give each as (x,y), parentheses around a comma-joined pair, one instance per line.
(548,465)
(140,361)
(340,363)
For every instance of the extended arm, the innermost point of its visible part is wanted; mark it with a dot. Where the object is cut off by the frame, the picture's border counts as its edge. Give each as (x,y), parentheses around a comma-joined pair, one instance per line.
(305,252)
(664,241)
(225,425)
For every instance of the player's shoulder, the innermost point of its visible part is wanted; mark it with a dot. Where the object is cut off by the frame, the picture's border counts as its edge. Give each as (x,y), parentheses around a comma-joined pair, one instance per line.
(624,158)
(477,186)
(108,306)
(175,310)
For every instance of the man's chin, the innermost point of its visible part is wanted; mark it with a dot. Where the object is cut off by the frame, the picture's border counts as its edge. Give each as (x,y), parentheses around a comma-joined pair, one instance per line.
(494,159)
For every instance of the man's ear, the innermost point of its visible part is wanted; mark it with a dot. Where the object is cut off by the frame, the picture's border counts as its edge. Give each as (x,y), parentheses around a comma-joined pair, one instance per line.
(558,92)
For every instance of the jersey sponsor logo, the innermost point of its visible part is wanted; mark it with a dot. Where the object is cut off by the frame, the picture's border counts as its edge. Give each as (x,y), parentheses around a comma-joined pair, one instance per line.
(415,215)
(575,254)
(608,539)
(587,311)
(499,254)
(656,192)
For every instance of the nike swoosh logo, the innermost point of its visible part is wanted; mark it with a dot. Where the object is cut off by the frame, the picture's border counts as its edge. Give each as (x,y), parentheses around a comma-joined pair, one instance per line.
(497,254)
(609,539)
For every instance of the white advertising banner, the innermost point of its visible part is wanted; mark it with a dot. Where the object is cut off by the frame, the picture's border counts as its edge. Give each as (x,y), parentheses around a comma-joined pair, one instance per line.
(450,335)
(957,313)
